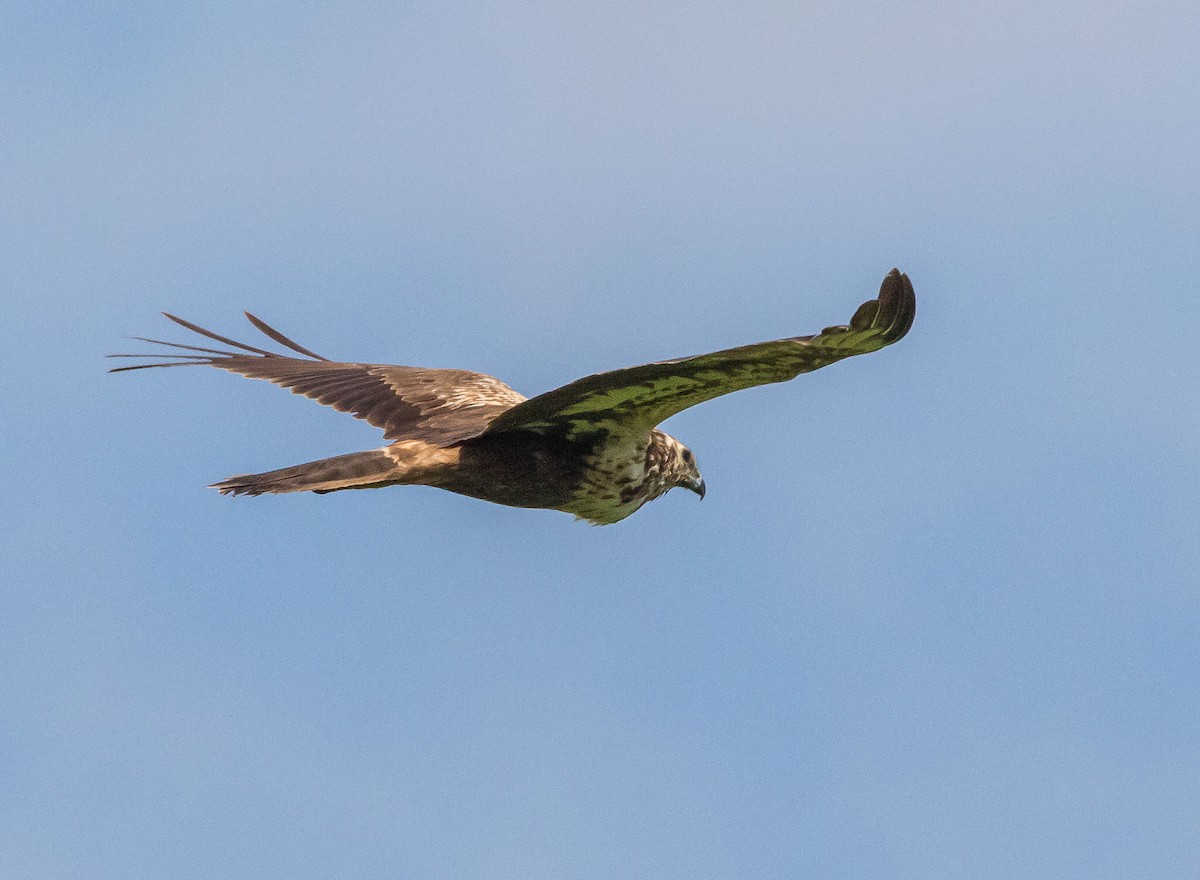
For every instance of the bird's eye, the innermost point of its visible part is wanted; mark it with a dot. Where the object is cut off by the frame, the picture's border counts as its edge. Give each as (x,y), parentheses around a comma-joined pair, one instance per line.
(687,456)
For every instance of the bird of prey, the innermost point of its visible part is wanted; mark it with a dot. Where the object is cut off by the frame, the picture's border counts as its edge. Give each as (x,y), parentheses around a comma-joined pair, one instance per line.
(590,448)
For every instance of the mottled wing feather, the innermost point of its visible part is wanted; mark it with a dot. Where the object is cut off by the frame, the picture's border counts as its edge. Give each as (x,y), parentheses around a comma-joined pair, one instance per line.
(438,406)
(641,397)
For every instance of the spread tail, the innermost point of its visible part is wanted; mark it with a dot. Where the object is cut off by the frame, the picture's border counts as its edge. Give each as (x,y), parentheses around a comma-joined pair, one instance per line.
(358,470)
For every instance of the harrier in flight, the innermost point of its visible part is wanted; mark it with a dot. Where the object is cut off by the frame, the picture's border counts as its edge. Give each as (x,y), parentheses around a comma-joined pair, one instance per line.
(589,448)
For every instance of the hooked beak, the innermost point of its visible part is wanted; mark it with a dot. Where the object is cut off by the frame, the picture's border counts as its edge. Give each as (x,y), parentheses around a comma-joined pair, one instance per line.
(696,485)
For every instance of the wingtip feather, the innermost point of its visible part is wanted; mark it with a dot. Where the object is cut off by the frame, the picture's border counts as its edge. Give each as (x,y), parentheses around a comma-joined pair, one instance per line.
(218,337)
(897,307)
(274,334)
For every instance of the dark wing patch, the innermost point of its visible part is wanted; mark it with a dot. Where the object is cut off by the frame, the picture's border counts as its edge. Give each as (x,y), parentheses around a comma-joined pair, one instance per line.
(438,406)
(641,397)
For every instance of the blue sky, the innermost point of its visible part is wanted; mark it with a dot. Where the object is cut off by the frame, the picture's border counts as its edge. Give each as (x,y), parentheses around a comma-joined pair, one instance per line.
(938,615)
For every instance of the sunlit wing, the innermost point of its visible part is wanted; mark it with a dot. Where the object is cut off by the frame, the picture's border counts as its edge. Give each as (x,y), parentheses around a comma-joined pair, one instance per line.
(638,398)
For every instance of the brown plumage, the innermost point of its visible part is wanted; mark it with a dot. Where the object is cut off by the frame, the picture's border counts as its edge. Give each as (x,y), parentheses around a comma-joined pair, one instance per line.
(589,448)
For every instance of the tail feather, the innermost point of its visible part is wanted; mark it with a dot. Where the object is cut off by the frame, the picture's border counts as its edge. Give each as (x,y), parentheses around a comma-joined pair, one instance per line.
(358,470)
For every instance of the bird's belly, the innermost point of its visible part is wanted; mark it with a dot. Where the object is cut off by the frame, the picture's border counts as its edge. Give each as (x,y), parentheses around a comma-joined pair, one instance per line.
(518,470)
(614,485)
(599,482)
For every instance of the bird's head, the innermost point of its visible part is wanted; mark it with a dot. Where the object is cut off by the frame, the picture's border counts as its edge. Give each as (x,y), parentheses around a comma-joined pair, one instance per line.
(681,468)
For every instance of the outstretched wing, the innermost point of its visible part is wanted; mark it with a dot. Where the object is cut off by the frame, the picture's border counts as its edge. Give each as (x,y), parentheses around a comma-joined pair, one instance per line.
(438,406)
(638,398)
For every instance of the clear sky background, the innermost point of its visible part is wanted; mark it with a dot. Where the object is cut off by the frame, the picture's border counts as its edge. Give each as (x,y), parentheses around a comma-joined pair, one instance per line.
(939,615)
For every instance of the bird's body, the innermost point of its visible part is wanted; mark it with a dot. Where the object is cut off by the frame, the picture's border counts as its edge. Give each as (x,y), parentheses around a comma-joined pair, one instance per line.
(602,482)
(590,448)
